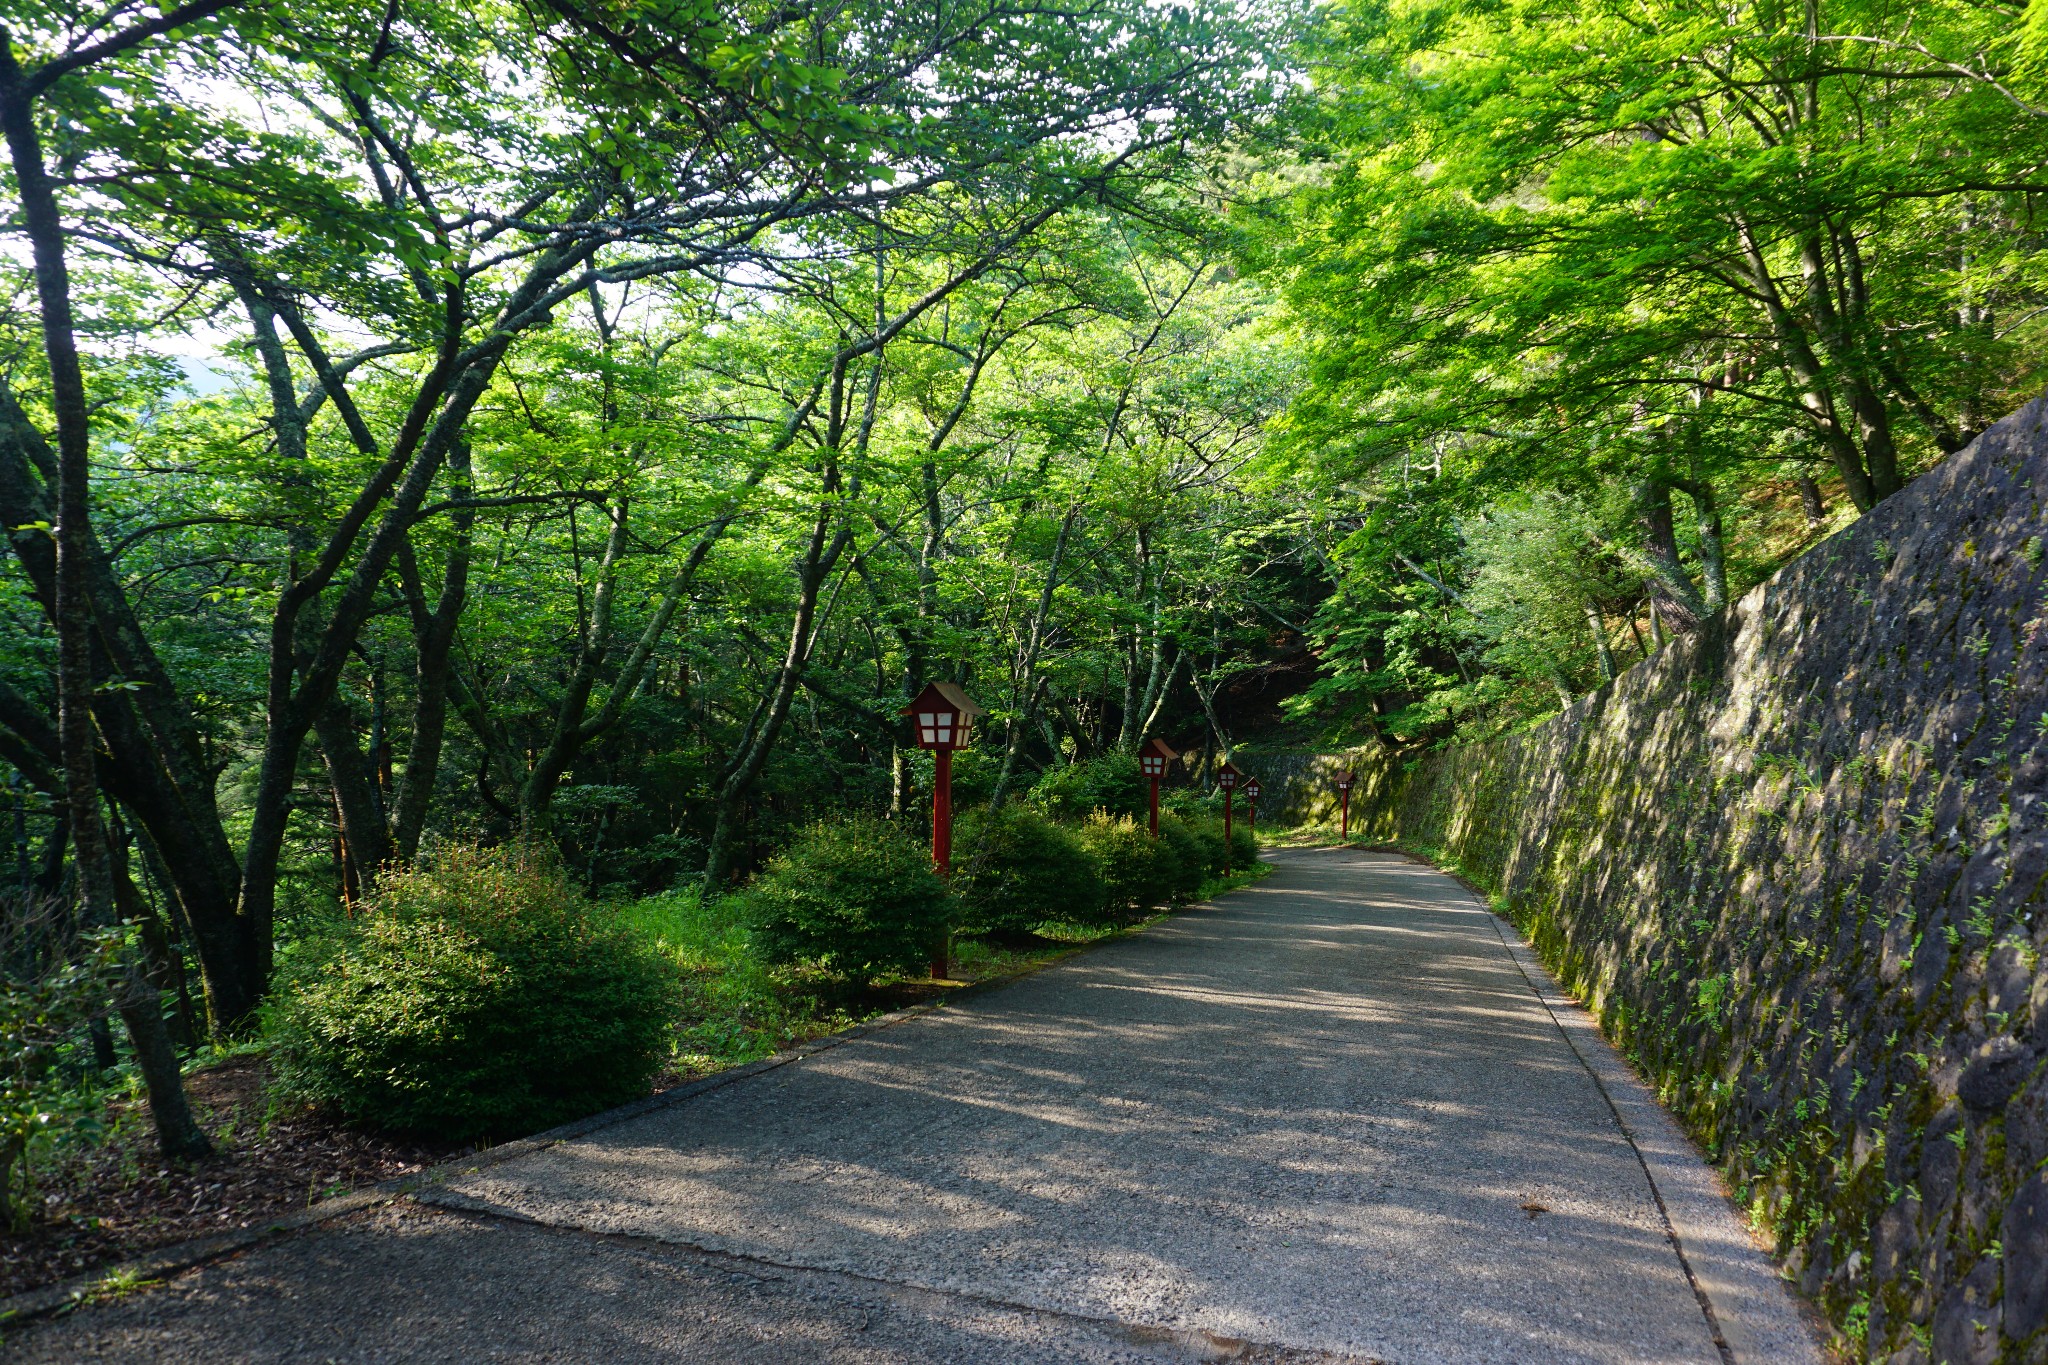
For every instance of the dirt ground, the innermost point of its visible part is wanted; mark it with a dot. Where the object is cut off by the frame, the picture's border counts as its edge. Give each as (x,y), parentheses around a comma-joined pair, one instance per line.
(106,1203)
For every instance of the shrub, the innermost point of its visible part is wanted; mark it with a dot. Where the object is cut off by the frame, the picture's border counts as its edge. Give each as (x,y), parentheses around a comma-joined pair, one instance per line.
(1016,869)
(1204,813)
(1138,871)
(1190,862)
(1244,846)
(1207,832)
(478,996)
(45,1000)
(854,896)
(1111,783)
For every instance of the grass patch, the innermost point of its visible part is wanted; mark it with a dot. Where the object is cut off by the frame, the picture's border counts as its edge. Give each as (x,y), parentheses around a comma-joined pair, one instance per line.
(737,1008)
(1213,887)
(1313,835)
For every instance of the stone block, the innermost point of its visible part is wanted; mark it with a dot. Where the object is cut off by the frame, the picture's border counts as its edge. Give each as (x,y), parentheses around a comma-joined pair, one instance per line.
(1994,1074)
(2023,1234)
(1633,816)
(1966,1326)
(2026,1127)
(2009,980)
(1930,966)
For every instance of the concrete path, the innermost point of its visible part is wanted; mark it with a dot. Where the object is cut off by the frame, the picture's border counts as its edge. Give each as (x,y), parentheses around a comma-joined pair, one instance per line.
(1339,1116)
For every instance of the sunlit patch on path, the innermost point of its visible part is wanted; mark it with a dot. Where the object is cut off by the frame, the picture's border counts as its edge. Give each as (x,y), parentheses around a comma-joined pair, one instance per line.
(1339,1117)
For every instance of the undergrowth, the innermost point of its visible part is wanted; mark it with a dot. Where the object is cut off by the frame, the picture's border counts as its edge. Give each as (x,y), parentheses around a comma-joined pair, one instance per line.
(738,1008)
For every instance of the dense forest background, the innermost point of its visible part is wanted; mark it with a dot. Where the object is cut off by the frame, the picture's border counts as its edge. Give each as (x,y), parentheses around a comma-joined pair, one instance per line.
(423,425)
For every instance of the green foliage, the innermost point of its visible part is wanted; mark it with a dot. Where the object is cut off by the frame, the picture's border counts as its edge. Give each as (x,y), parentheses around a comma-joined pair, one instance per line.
(1138,871)
(1244,846)
(1536,567)
(479,995)
(1016,869)
(854,896)
(39,1011)
(1112,783)
(735,1006)
(1579,319)
(1196,855)
(1215,854)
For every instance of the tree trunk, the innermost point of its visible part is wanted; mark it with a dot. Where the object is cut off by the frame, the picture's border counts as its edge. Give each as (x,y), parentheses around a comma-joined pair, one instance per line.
(1598,626)
(591,648)
(739,778)
(1157,703)
(363,832)
(1815,395)
(1712,546)
(1024,685)
(1810,502)
(821,556)
(433,649)
(150,759)
(434,422)
(1162,661)
(1839,306)
(176,1132)
(1660,547)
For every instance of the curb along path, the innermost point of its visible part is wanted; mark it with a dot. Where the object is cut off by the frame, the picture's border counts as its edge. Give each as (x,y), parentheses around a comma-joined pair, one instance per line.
(1337,1116)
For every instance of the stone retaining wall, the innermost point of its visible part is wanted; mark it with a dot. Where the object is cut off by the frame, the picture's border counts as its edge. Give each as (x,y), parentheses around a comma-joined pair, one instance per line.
(1798,873)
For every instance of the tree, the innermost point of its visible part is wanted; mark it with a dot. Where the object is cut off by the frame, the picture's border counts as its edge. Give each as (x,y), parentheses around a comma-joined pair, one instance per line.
(416,217)
(66,573)
(1695,259)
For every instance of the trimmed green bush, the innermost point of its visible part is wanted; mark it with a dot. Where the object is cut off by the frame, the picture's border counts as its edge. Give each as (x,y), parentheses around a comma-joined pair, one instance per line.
(1138,871)
(1208,836)
(855,896)
(1244,846)
(1112,783)
(479,996)
(1015,869)
(1204,813)
(1190,861)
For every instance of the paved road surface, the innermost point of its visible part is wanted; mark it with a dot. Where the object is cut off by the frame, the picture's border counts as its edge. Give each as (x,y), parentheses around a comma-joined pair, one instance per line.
(1338,1116)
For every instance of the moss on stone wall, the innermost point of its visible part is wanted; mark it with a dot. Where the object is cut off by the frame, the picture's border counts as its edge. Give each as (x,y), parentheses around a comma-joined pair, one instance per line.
(1797,869)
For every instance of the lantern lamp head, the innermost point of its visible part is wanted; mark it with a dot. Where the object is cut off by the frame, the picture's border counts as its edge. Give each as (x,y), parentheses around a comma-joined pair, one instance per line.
(1228,776)
(1346,780)
(1154,758)
(942,716)
(1251,789)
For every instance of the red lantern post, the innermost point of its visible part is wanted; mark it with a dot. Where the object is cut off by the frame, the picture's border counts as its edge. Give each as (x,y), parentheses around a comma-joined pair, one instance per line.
(1251,797)
(1227,778)
(1152,761)
(941,717)
(1345,781)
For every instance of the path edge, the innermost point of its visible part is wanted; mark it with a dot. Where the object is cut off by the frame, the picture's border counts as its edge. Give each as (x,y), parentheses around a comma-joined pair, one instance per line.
(152,1266)
(81,1290)
(1758,1318)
